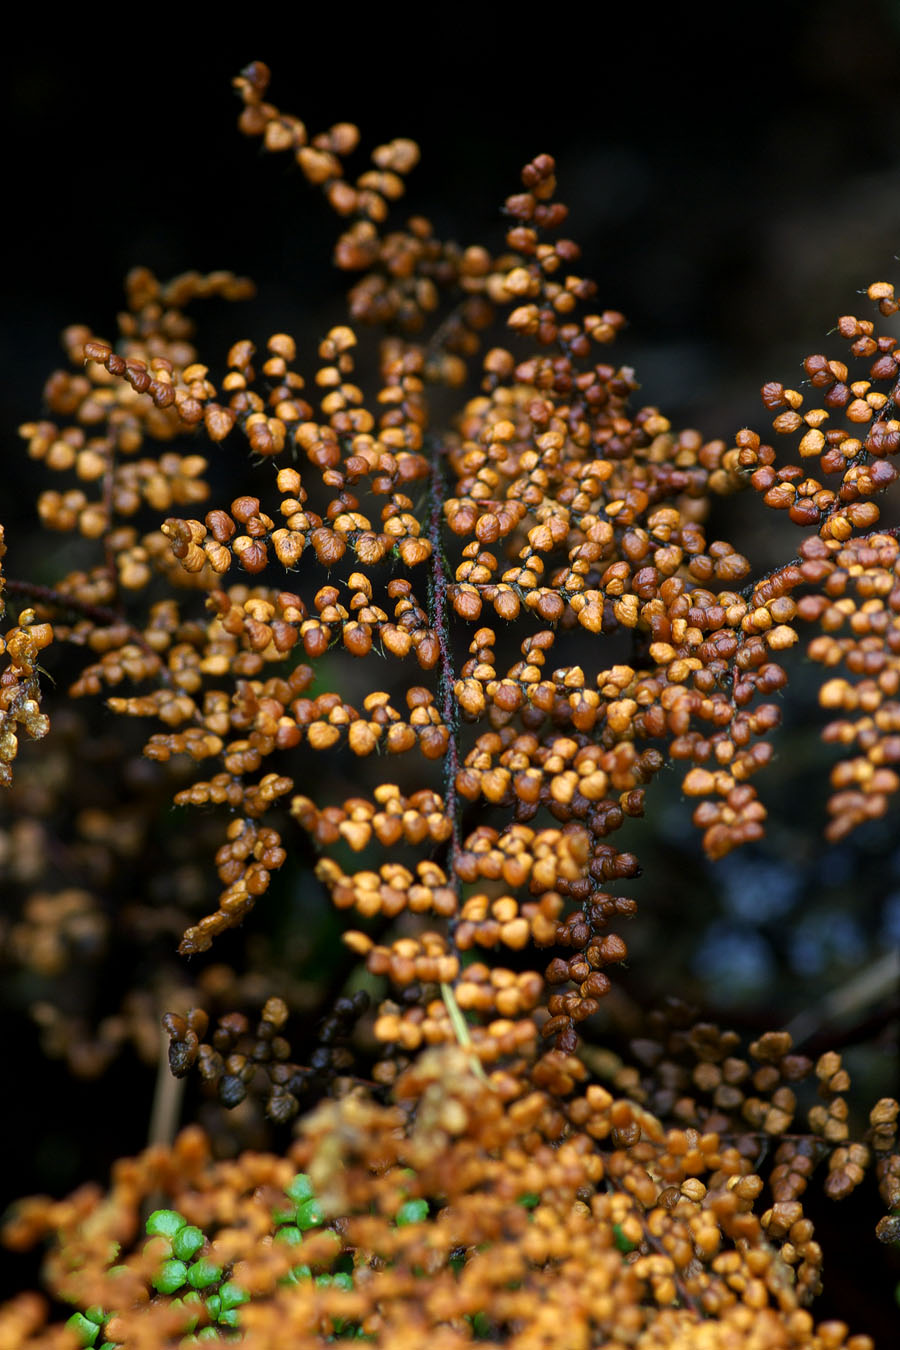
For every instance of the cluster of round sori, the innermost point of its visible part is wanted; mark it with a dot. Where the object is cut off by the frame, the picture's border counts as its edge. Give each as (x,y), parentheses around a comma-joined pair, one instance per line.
(187,1275)
(196,1283)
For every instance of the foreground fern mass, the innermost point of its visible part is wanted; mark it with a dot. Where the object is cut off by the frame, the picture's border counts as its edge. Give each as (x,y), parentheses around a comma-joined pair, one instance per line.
(461,647)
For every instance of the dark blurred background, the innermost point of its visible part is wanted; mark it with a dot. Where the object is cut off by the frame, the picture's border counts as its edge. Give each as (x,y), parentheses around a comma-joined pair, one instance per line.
(733,176)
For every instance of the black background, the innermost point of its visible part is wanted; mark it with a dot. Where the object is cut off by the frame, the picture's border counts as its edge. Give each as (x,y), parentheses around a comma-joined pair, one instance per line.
(733,179)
